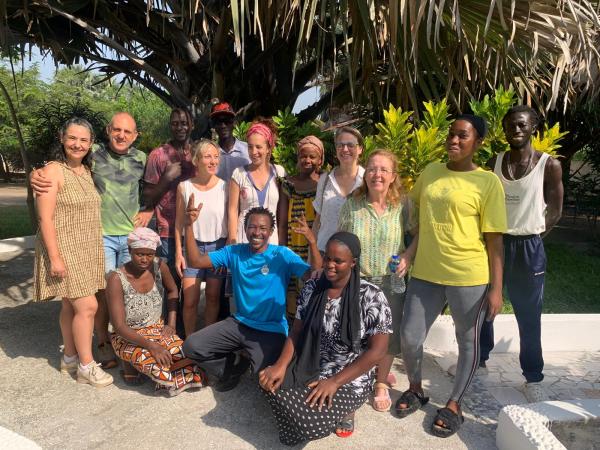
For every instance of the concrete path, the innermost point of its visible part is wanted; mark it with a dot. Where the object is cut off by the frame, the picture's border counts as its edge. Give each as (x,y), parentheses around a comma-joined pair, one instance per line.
(13,194)
(567,376)
(54,411)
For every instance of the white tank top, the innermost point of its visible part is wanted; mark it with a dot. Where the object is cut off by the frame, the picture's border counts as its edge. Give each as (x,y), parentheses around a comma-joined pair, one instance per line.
(524,198)
(212,220)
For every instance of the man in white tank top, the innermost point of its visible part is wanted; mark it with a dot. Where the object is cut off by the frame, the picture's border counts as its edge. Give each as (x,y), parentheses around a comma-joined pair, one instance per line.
(533,190)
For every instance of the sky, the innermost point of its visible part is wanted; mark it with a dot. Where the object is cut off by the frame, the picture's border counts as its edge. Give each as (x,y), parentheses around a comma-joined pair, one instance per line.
(47,69)
(46,65)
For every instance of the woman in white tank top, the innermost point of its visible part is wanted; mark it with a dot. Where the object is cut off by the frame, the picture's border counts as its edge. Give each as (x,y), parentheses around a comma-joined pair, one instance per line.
(210,232)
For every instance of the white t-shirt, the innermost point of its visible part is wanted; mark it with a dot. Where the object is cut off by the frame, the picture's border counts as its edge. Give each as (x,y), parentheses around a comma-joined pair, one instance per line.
(249,199)
(212,219)
(328,203)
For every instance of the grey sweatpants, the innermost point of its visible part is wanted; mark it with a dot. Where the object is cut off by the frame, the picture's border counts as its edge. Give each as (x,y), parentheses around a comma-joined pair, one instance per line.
(424,302)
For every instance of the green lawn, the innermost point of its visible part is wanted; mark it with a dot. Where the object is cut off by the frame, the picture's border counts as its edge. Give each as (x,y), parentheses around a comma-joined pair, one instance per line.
(14,222)
(572,281)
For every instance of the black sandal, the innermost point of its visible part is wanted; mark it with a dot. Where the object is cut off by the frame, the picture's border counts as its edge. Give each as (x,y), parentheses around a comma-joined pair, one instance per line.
(413,401)
(450,420)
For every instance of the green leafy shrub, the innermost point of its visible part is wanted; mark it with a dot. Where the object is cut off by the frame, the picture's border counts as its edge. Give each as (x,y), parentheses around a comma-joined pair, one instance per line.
(416,144)
(49,117)
(547,141)
(415,147)
(493,110)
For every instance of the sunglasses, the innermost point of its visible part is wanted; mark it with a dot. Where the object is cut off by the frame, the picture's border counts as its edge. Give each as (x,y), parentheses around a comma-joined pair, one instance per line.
(222,120)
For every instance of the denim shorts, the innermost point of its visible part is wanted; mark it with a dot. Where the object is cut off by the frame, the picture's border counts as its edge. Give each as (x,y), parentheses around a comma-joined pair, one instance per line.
(205,247)
(116,252)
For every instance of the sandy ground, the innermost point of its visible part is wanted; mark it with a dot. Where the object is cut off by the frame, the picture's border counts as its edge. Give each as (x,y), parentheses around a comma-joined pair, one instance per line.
(55,412)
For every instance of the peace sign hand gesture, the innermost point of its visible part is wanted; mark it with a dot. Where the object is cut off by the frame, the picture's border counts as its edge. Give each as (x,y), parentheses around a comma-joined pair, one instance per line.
(192,212)
(300,226)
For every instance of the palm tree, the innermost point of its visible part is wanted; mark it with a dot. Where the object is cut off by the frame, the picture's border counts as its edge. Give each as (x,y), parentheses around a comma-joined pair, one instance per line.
(261,56)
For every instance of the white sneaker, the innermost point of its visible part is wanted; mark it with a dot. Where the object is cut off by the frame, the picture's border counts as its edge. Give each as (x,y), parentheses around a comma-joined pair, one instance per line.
(94,375)
(68,368)
(534,392)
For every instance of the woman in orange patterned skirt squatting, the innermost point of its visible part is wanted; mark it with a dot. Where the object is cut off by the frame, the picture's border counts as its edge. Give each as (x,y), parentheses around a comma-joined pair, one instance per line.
(147,346)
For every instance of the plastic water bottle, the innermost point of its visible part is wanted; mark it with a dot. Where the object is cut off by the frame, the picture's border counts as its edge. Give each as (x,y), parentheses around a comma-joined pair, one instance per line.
(397,283)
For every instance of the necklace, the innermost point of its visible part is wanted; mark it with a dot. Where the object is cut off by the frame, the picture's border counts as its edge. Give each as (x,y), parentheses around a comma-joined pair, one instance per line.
(80,170)
(511,175)
(79,176)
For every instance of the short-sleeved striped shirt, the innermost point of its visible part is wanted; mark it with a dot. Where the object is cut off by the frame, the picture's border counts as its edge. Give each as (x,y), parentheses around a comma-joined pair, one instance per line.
(380,236)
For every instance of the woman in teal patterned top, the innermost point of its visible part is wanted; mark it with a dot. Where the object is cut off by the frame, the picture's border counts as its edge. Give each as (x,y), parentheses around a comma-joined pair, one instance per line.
(379,214)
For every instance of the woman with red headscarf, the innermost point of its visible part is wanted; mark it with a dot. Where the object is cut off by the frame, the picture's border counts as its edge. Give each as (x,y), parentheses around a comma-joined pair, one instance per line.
(257,185)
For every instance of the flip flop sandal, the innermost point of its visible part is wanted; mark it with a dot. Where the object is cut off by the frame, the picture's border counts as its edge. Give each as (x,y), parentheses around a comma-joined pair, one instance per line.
(413,401)
(345,427)
(382,398)
(451,423)
(131,379)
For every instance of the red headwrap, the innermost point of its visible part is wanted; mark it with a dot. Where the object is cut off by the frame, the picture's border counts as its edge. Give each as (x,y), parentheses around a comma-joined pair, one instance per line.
(263,130)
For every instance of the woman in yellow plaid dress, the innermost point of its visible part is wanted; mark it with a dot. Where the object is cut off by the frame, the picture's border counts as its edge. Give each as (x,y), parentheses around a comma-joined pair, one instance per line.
(69,258)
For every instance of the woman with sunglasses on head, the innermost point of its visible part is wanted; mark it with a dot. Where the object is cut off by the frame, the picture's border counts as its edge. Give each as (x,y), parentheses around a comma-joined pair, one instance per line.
(326,368)
(335,186)
(257,185)
(379,214)
(459,261)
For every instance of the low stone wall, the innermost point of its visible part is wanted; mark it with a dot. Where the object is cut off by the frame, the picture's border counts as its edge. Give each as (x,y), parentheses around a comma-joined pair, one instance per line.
(560,332)
(16,244)
(553,425)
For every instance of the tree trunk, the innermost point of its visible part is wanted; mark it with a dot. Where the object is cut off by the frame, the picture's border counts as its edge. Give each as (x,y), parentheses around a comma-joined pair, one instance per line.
(24,158)
(4,169)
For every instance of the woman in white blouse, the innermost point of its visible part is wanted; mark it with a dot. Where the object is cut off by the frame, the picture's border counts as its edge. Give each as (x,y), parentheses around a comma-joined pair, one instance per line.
(256,185)
(210,232)
(335,186)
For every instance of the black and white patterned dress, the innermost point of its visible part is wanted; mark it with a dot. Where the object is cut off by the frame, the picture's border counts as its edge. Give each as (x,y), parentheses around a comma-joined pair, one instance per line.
(298,422)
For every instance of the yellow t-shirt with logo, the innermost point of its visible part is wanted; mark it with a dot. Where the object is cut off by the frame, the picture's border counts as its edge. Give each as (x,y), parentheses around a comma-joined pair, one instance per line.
(455,209)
